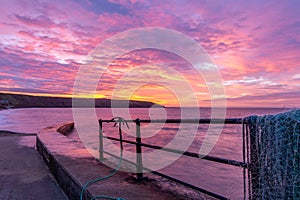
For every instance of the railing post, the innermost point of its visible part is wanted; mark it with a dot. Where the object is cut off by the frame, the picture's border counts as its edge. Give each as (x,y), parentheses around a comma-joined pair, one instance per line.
(101,148)
(139,159)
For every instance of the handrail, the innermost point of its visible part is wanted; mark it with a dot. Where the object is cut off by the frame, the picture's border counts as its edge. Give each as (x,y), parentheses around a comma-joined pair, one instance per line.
(187,153)
(188,121)
(138,143)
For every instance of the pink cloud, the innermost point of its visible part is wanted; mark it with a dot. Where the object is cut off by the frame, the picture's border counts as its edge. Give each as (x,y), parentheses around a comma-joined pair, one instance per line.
(250,41)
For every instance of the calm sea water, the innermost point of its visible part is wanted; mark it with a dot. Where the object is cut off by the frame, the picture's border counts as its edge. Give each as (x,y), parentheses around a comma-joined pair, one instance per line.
(219,178)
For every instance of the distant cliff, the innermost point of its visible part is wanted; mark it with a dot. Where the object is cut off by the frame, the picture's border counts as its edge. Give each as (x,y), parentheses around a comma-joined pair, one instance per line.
(27,101)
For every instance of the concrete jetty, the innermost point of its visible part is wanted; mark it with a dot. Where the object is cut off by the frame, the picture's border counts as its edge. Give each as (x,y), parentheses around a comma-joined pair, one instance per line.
(52,165)
(73,172)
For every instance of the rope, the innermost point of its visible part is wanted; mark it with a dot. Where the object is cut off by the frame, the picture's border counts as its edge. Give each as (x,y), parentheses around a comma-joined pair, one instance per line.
(118,121)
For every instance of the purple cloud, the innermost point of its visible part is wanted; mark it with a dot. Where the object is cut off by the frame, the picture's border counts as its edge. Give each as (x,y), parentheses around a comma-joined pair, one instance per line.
(256,44)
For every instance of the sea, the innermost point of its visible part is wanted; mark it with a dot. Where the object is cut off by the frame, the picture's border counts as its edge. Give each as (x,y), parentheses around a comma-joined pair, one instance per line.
(215,177)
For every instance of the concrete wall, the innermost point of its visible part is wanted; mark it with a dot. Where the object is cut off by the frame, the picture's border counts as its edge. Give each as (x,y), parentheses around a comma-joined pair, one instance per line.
(67,182)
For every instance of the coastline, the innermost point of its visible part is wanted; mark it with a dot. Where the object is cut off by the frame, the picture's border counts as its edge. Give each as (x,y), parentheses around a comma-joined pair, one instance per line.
(28,101)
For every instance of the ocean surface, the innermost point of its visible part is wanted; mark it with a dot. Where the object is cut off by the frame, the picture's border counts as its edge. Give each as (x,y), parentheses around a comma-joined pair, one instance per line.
(219,178)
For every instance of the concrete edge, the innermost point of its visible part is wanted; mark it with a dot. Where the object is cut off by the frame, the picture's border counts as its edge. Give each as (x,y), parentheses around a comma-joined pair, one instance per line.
(71,187)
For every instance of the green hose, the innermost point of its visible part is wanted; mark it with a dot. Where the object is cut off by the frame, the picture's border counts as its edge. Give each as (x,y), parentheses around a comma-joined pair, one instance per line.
(119,120)
(103,178)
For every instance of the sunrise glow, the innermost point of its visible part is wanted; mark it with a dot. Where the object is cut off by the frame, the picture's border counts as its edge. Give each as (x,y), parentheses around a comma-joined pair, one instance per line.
(255,45)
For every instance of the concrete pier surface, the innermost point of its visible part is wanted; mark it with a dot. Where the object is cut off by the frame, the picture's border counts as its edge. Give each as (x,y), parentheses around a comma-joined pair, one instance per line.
(73,165)
(52,165)
(23,173)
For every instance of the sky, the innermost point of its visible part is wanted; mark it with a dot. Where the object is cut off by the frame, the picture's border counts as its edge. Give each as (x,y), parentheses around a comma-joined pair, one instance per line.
(254,44)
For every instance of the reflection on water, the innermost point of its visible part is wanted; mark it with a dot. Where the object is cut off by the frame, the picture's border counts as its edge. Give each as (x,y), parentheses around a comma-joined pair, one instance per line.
(225,180)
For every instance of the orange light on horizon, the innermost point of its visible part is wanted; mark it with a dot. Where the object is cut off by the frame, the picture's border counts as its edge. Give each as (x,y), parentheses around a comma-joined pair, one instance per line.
(156,94)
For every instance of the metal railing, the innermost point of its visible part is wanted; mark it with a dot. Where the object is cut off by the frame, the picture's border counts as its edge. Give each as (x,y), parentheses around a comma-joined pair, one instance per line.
(139,144)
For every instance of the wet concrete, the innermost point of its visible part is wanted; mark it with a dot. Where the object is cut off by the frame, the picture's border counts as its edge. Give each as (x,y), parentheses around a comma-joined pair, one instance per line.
(23,173)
